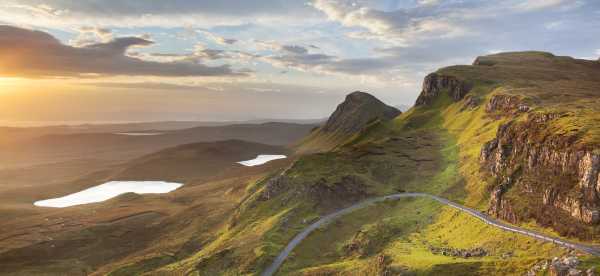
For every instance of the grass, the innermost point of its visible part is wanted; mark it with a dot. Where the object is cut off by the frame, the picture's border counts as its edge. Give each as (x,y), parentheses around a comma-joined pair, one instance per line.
(432,149)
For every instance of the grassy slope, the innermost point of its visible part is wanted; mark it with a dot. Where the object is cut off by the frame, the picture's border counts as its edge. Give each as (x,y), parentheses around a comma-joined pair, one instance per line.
(417,224)
(433,149)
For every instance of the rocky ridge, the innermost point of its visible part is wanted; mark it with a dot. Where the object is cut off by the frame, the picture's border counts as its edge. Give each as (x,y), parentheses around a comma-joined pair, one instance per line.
(564,174)
(435,83)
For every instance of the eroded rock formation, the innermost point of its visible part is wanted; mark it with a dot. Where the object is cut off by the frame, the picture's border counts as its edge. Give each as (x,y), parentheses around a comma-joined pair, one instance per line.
(557,169)
(435,83)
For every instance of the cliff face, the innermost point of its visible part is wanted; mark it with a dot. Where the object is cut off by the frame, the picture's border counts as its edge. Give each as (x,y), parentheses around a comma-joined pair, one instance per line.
(557,169)
(543,163)
(436,83)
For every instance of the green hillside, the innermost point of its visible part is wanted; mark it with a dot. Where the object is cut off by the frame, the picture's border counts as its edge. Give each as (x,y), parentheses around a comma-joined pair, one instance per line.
(515,135)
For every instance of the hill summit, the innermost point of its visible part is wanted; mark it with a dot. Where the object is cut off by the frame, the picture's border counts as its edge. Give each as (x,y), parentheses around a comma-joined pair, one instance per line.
(354,114)
(357,110)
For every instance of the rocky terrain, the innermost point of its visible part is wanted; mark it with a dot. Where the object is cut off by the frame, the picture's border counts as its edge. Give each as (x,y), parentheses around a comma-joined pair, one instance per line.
(514,135)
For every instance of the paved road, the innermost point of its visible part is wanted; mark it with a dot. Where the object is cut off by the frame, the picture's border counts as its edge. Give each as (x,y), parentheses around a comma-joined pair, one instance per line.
(486,219)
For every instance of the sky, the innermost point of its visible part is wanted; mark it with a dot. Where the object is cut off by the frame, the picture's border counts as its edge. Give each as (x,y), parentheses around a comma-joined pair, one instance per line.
(152,60)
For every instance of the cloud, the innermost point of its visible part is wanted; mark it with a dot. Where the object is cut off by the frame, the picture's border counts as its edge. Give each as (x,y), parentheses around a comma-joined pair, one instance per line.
(30,53)
(91,35)
(402,27)
(135,13)
(136,7)
(40,9)
(428,2)
(217,39)
(532,5)
(144,85)
(294,49)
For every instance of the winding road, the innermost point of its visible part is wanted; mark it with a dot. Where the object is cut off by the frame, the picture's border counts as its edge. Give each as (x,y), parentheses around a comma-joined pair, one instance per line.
(486,219)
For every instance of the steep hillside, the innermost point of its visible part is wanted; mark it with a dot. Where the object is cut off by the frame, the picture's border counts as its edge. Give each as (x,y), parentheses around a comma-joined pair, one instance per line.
(515,134)
(543,158)
(358,111)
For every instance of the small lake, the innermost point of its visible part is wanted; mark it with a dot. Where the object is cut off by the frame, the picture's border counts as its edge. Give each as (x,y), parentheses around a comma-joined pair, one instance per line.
(107,191)
(261,159)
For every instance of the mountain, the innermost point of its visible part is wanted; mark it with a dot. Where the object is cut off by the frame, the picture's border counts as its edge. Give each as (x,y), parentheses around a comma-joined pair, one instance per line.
(356,112)
(515,136)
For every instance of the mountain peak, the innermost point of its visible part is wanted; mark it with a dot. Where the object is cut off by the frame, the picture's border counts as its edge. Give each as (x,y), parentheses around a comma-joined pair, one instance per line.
(357,110)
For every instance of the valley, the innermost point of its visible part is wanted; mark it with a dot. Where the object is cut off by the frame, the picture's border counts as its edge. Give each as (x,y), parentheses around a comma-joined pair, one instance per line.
(494,171)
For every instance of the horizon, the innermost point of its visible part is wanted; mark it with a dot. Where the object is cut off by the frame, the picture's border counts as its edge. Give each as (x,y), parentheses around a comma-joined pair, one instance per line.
(200,61)
(311,137)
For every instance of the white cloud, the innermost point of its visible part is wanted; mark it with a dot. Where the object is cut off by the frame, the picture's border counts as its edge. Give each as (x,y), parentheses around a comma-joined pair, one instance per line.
(91,35)
(532,5)
(555,25)
(134,13)
(400,27)
(428,2)
(216,38)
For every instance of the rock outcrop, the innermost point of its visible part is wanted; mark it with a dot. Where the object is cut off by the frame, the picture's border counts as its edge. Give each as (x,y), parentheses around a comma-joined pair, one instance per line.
(556,170)
(357,111)
(436,83)
(565,266)
(457,252)
(274,186)
(506,104)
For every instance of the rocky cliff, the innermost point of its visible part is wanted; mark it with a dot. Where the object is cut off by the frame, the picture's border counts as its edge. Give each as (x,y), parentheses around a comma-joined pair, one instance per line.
(543,162)
(557,169)
(435,83)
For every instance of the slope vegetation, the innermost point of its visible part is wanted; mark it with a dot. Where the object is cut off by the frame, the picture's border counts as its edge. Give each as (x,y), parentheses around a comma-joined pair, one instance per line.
(514,134)
(358,111)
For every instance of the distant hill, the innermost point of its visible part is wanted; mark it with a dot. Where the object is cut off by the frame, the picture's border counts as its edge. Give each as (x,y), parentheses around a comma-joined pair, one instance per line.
(196,162)
(25,148)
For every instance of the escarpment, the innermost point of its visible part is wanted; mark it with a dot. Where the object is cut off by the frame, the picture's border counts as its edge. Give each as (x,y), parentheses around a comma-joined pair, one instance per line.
(435,83)
(554,171)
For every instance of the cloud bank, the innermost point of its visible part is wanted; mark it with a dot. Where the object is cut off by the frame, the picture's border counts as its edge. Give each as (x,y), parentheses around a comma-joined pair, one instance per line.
(29,53)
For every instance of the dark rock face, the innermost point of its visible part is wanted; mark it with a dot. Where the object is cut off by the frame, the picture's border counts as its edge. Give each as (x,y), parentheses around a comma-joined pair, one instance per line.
(506,104)
(470,102)
(274,186)
(553,170)
(457,252)
(483,61)
(435,83)
(350,188)
(499,206)
(358,110)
